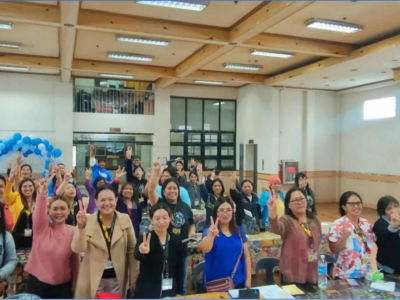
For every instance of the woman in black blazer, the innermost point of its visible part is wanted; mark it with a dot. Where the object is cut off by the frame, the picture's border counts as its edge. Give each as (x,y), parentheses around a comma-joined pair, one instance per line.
(161,257)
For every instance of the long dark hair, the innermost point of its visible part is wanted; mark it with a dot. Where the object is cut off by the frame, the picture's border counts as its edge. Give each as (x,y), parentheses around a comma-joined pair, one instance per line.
(135,196)
(343,201)
(23,199)
(222,186)
(288,211)
(233,228)
(165,185)
(298,177)
(96,181)
(3,230)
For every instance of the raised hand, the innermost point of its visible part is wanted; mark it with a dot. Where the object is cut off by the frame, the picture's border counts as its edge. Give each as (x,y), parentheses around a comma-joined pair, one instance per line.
(213,231)
(144,247)
(128,153)
(88,173)
(265,187)
(156,167)
(192,162)
(81,217)
(44,183)
(67,177)
(14,173)
(233,177)
(345,232)
(199,170)
(272,205)
(91,148)
(149,173)
(20,159)
(120,172)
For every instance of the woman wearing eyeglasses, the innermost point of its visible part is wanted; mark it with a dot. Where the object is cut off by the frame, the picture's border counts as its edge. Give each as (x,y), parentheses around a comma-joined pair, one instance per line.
(225,247)
(300,230)
(351,238)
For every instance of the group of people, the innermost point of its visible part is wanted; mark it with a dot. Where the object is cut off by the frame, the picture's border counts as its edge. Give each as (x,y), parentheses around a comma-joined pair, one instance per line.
(97,244)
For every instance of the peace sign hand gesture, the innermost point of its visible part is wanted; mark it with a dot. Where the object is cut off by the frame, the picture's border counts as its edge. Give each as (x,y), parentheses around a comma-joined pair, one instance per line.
(88,173)
(213,231)
(156,167)
(144,247)
(44,183)
(81,217)
(128,153)
(272,205)
(14,173)
(120,172)
(67,177)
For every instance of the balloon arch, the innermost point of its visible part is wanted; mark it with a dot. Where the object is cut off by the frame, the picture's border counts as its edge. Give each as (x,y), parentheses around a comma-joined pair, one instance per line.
(28,145)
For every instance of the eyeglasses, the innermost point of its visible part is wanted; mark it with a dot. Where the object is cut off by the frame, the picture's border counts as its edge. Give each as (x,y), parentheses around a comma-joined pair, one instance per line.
(297,200)
(352,204)
(225,211)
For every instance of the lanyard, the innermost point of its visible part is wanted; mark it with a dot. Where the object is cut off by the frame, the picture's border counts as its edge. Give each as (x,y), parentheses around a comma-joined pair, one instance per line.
(361,234)
(107,236)
(308,232)
(165,256)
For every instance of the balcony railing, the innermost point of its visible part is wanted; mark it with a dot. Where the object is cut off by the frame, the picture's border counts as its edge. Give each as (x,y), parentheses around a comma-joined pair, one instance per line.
(113,101)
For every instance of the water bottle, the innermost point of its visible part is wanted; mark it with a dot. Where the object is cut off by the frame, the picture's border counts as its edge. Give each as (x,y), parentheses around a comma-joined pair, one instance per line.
(322,273)
(266,225)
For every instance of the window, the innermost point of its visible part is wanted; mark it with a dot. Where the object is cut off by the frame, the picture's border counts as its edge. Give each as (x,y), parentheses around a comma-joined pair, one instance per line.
(380,108)
(204,129)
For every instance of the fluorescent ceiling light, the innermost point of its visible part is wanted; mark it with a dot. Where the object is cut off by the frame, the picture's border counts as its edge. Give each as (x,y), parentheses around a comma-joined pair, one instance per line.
(103,83)
(14,68)
(6,25)
(217,103)
(142,40)
(242,67)
(117,76)
(10,45)
(209,82)
(130,56)
(333,25)
(189,5)
(271,54)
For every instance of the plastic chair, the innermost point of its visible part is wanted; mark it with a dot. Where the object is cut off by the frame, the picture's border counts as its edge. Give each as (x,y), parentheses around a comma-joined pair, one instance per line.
(198,271)
(268,264)
(200,226)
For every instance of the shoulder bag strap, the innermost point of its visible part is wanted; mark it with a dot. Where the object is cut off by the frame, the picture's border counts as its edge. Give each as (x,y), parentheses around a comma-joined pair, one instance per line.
(240,255)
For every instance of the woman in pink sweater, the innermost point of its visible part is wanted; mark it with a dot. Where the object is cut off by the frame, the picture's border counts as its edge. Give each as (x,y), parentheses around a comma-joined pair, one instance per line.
(52,266)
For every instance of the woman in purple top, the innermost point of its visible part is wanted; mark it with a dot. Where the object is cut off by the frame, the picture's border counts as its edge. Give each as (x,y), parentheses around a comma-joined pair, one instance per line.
(97,183)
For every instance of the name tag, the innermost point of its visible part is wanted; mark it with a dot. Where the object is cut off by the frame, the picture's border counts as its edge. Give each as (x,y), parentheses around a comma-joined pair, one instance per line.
(176,231)
(109,265)
(312,256)
(167,284)
(196,203)
(141,200)
(366,260)
(27,232)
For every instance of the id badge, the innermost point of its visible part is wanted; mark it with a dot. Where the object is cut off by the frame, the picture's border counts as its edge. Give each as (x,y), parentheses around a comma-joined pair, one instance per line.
(167,284)
(109,265)
(312,256)
(196,203)
(141,200)
(176,231)
(366,260)
(28,233)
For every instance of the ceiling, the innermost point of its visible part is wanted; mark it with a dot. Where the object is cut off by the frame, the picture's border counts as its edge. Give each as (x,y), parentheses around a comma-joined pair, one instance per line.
(73,38)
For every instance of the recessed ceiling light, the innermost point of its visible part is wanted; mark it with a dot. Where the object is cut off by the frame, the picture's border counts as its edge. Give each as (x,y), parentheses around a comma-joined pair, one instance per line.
(353,70)
(333,25)
(6,25)
(395,60)
(383,72)
(301,83)
(271,54)
(142,40)
(242,67)
(324,77)
(14,68)
(208,82)
(217,103)
(130,56)
(189,5)
(352,80)
(116,76)
(10,45)
(326,84)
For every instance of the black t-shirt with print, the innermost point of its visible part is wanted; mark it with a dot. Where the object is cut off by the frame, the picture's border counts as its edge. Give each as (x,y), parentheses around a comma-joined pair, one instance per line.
(182,218)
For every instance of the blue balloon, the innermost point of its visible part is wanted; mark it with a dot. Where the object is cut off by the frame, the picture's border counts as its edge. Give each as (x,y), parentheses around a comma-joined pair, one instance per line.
(26,140)
(46,142)
(3,146)
(57,153)
(5,151)
(49,147)
(29,152)
(34,142)
(25,154)
(37,151)
(8,147)
(12,142)
(17,136)
(50,154)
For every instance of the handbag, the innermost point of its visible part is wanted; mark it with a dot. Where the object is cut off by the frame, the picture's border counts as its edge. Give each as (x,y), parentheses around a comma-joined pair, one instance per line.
(224,284)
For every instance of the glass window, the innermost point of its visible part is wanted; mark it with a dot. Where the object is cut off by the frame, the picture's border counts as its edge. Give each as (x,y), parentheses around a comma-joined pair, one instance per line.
(194,137)
(227,138)
(176,150)
(227,163)
(211,115)
(178,113)
(210,164)
(101,149)
(227,151)
(177,137)
(211,150)
(380,108)
(228,116)
(194,114)
(110,149)
(189,164)
(119,149)
(194,150)
(211,137)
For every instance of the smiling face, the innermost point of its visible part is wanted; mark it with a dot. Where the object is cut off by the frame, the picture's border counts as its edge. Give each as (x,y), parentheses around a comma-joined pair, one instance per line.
(106,202)
(225,213)
(217,188)
(179,167)
(26,172)
(61,167)
(193,178)
(139,173)
(165,175)
(276,186)
(59,211)
(136,162)
(298,203)
(27,189)
(247,188)
(171,192)
(127,192)
(353,207)
(161,220)
(102,164)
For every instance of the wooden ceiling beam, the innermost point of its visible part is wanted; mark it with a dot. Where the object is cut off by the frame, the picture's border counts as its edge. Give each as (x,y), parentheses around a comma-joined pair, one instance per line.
(227,77)
(34,14)
(293,44)
(396,74)
(69,16)
(29,61)
(325,63)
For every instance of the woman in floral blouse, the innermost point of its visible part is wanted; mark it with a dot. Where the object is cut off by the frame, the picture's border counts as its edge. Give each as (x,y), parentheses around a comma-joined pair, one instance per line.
(351,238)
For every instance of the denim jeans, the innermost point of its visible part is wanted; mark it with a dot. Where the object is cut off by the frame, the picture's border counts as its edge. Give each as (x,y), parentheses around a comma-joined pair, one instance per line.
(185,273)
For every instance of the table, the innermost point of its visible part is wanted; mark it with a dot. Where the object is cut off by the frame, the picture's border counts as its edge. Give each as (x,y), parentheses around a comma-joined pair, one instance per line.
(207,296)
(264,244)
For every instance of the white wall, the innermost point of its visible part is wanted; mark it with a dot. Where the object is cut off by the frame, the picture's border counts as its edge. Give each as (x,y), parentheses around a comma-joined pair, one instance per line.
(40,106)
(212,92)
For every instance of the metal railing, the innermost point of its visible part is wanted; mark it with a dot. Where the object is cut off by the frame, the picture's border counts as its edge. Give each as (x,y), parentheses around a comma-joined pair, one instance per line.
(113,101)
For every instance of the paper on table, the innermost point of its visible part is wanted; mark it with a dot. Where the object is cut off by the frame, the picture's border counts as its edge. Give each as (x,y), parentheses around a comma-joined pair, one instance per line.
(387,286)
(293,289)
(324,223)
(267,291)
